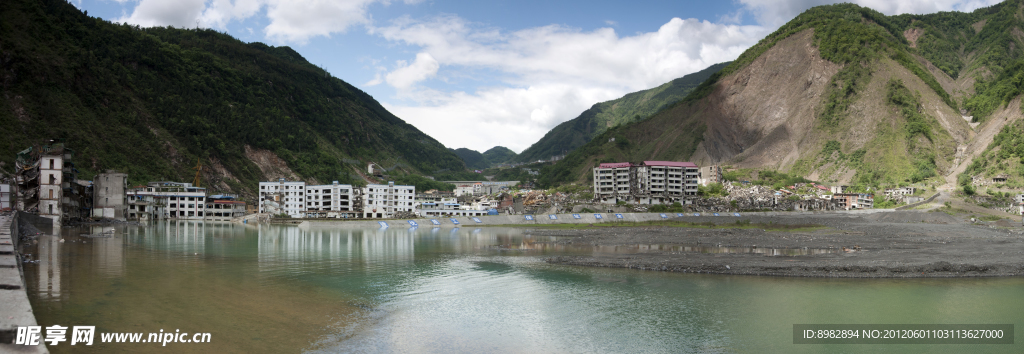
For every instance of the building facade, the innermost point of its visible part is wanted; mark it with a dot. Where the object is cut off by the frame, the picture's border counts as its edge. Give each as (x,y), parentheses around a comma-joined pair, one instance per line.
(613,182)
(652,182)
(387,200)
(710,174)
(331,201)
(283,197)
(180,200)
(224,208)
(109,195)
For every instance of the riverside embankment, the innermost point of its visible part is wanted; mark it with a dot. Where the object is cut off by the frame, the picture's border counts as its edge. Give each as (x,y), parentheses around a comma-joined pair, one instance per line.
(15,310)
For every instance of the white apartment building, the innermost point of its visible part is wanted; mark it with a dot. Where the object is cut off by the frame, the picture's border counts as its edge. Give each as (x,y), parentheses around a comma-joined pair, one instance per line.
(282,196)
(612,182)
(330,201)
(181,200)
(384,200)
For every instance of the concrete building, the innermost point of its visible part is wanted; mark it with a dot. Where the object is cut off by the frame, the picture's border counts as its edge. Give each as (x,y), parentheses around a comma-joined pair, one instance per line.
(615,182)
(849,201)
(388,200)
(331,201)
(224,208)
(283,197)
(44,183)
(109,197)
(710,174)
(146,207)
(652,182)
(669,181)
(902,191)
(481,187)
(181,200)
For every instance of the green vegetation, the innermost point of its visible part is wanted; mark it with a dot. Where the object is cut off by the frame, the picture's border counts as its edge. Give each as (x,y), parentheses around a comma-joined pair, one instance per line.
(846,34)
(472,158)
(777,180)
(631,108)
(423,184)
(662,208)
(1005,155)
(712,190)
(499,155)
(152,101)
(490,158)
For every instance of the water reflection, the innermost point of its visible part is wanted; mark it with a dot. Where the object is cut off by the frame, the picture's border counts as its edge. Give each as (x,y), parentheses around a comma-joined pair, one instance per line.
(262,288)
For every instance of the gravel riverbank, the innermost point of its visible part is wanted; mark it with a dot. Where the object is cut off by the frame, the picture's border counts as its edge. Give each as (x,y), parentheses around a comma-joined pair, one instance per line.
(902,244)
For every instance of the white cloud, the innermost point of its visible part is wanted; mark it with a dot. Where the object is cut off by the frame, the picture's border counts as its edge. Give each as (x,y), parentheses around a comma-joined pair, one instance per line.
(511,117)
(290,21)
(219,12)
(548,74)
(295,21)
(406,75)
(177,13)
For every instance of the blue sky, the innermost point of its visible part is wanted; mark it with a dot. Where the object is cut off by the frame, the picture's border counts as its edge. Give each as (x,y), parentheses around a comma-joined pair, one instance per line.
(478,74)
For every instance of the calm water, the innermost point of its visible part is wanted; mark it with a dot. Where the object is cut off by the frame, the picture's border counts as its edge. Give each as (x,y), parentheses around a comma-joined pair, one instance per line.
(284,289)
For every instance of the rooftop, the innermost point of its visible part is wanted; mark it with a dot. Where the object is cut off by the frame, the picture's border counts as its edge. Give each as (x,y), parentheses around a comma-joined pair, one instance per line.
(615,165)
(670,164)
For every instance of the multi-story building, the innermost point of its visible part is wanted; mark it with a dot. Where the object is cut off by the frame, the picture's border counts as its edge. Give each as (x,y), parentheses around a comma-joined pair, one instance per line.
(45,183)
(181,200)
(387,200)
(652,182)
(710,174)
(282,196)
(224,207)
(612,182)
(146,207)
(331,201)
(109,198)
(848,201)
(481,187)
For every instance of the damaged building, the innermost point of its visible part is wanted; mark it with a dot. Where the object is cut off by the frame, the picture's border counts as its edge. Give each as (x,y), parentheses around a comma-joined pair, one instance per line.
(46,183)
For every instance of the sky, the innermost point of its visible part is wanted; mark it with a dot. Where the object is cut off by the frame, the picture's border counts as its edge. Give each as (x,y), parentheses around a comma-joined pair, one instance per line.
(479,74)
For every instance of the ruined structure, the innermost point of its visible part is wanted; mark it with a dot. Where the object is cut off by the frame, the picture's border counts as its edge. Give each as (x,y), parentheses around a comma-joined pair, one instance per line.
(45,183)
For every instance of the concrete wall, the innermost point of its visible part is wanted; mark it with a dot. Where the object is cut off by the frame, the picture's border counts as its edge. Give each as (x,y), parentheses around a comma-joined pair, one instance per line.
(15,310)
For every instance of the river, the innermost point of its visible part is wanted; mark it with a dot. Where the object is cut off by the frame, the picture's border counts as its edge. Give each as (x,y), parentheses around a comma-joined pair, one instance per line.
(277,289)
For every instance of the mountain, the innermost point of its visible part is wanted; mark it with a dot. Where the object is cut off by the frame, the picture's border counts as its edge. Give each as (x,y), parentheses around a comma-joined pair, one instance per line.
(632,107)
(490,158)
(153,102)
(844,94)
(473,159)
(499,155)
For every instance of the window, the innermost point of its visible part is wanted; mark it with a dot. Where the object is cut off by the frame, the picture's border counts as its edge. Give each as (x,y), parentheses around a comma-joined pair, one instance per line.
(51,167)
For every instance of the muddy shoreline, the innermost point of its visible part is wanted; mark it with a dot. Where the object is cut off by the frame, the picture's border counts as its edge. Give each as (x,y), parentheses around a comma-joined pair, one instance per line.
(903,244)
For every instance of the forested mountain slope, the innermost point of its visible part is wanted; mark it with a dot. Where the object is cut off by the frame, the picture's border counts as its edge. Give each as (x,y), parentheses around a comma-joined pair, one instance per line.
(153,102)
(632,107)
(844,94)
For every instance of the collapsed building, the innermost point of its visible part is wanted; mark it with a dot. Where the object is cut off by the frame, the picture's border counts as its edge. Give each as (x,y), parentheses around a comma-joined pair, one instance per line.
(46,183)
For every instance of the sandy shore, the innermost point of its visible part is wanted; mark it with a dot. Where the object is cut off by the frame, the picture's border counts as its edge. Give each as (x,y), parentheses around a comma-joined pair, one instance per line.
(900,244)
